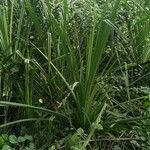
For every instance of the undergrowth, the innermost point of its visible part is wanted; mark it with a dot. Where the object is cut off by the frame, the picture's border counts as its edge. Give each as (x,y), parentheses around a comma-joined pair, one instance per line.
(75,74)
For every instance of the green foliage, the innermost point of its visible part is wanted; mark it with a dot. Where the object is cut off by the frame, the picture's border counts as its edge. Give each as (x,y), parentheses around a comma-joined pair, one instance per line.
(79,70)
(12,142)
(2,140)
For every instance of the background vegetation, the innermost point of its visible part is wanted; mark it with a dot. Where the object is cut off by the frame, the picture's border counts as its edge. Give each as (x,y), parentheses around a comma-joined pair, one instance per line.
(75,74)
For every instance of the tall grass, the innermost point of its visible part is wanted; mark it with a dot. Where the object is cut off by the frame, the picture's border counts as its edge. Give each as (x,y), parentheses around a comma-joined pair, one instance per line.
(74,61)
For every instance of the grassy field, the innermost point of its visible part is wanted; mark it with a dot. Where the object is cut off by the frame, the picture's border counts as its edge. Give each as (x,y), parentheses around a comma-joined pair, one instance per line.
(75,74)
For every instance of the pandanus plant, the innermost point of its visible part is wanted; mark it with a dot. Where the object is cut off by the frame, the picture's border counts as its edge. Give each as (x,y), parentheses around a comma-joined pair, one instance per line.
(80,64)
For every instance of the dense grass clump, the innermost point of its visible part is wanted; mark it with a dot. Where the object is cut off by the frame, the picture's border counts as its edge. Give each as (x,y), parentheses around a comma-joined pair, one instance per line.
(75,74)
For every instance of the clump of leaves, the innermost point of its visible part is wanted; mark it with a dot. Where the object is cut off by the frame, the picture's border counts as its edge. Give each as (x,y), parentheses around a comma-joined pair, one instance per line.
(12,142)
